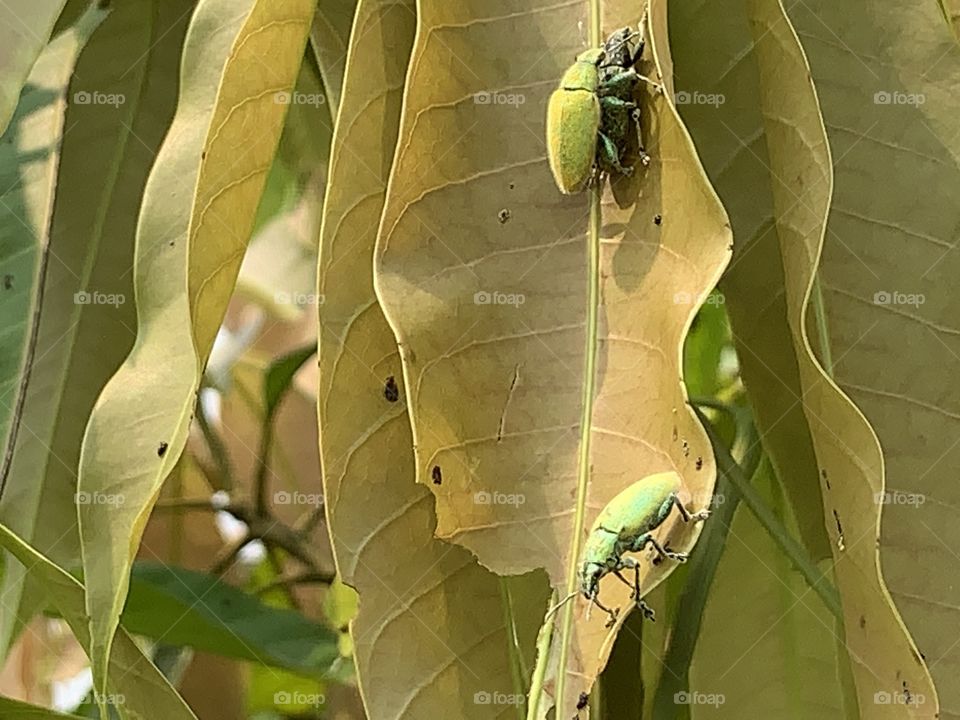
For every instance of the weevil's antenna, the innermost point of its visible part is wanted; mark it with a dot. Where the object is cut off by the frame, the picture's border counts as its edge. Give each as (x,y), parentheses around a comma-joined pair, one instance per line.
(559,605)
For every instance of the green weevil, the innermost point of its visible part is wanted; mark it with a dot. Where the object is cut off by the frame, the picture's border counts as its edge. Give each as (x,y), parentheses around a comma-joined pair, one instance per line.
(626,524)
(590,113)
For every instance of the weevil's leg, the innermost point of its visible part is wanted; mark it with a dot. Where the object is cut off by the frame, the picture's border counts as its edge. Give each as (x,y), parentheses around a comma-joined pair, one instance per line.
(613,103)
(625,581)
(641,151)
(641,604)
(612,613)
(657,87)
(619,84)
(687,515)
(609,156)
(678,556)
(647,611)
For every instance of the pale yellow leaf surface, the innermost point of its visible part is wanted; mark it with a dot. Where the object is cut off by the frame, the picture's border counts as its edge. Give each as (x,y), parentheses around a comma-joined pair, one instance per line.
(415,590)
(197,214)
(888,77)
(482,270)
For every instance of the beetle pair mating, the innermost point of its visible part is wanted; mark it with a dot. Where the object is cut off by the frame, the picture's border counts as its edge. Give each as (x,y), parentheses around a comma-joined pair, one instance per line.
(593,113)
(626,524)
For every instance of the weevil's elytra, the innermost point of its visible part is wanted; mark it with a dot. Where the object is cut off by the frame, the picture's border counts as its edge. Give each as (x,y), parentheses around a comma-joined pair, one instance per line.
(436,475)
(573,121)
(162,449)
(390,390)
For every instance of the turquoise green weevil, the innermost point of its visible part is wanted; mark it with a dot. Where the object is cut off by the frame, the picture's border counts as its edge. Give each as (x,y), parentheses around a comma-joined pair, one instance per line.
(626,524)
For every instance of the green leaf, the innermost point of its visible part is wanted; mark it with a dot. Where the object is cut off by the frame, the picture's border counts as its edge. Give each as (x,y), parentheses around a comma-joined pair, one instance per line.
(330,38)
(25,26)
(280,375)
(83,302)
(136,688)
(563,399)
(187,608)
(197,214)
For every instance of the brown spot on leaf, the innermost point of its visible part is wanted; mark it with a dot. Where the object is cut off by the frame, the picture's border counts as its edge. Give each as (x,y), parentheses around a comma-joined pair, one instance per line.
(390,390)
(436,475)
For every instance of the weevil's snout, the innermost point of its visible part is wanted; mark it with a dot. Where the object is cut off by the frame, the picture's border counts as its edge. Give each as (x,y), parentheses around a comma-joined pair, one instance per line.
(590,575)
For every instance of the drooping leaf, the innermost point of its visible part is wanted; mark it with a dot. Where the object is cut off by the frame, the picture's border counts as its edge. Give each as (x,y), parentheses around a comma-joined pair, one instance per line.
(539,333)
(121,100)
(197,214)
(330,39)
(16,710)
(413,589)
(888,77)
(771,159)
(136,688)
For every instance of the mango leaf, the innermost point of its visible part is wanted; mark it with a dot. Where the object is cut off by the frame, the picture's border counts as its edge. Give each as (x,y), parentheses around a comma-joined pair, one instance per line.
(889,86)
(182,607)
(84,311)
(773,161)
(541,334)
(16,710)
(137,690)
(197,215)
(330,38)
(25,26)
(474,632)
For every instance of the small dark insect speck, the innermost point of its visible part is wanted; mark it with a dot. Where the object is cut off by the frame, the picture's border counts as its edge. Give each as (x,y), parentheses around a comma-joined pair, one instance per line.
(512,185)
(7,282)
(162,450)
(657,219)
(436,475)
(686,448)
(699,463)
(171,243)
(582,702)
(863,621)
(390,390)
(503,216)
